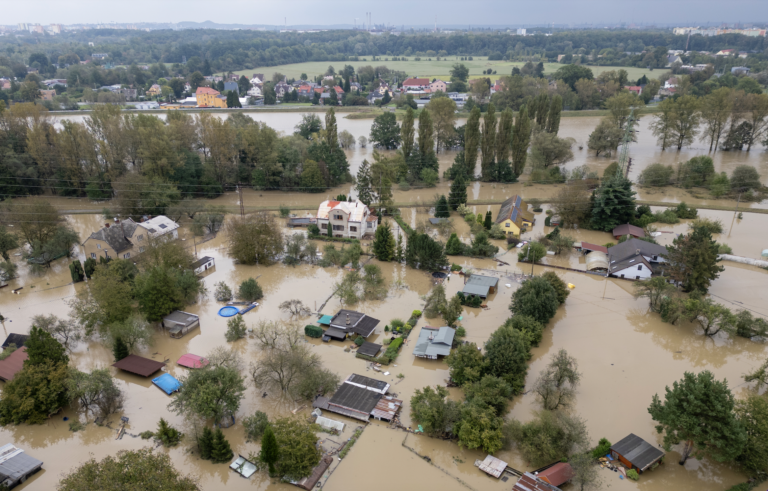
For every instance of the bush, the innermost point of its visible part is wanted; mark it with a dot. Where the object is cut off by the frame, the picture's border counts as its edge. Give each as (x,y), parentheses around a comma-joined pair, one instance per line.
(235,328)
(683,211)
(455,267)
(167,434)
(255,426)
(359,340)
(146,435)
(602,448)
(724,249)
(222,293)
(656,175)
(711,226)
(416,313)
(666,216)
(386,342)
(396,324)
(632,474)
(284,211)
(313,229)
(313,331)
(393,348)
(249,291)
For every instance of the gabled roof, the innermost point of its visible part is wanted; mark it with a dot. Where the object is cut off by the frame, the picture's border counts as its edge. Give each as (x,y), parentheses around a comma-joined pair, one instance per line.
(514,209)
(16,339)
(558,474)
(180,318)
(415,82)
(587,246)
(617,265)
(637,451)
(207,90)
(355,398)
(356,210)
(117,234)
(13,364)
(529,482)
(434,341)
(628,229)
(369,349)
(201,261)
(633,246)
(139,365)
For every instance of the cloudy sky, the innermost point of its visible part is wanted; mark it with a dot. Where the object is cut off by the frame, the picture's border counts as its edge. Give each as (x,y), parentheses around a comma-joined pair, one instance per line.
(397,12)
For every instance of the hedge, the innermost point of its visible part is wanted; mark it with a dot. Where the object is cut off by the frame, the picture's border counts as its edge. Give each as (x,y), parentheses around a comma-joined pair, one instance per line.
(331,239)
(383,359)
(313,331)
(393,348)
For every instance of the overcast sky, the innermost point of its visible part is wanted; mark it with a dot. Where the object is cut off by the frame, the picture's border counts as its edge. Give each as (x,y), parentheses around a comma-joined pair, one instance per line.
(397,12)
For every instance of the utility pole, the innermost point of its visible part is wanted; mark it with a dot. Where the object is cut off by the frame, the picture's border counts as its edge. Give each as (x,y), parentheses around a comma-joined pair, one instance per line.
(240,194)
(734,215)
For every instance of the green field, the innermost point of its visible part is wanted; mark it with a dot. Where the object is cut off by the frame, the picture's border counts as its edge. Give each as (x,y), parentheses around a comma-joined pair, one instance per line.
(429,69)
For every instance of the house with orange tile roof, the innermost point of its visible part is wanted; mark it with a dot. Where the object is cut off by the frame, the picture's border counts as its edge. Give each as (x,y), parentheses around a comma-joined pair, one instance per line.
(349,219)
(208,97)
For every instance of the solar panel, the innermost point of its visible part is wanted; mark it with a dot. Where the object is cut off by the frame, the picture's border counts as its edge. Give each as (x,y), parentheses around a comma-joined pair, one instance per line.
(514,215)
(517,201)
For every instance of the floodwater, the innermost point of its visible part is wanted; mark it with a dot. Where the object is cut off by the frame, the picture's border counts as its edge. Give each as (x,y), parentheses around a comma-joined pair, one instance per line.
(625,354)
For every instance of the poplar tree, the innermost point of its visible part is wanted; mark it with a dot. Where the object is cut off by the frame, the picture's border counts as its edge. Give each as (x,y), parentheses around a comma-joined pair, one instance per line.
(471,141)
(407,133)
(331,133)
(521,139)
(458,193)
(488,220)
(427,141)
(504,135)
(120,349)
(553,119)
(488,144)
(542,103)
(363,188)
(399,252)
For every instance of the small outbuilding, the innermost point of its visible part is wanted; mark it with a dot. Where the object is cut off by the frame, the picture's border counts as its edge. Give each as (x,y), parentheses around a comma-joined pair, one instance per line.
(353,402)
(243,466)
(558,474)
(180,323)
(311,481)
(597,261)
(167,383)
(636,453)
(203,264)
(16,466)
(192,361)
(491,466)
(17,340)
(368,383)
(139,365)
(628,229)
(480,285)
(530,482)
(13,364)
(369,349)
(434,342)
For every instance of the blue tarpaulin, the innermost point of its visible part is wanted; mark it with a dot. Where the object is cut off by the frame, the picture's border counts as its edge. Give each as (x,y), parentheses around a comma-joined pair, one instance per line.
(325,320)
(167,383)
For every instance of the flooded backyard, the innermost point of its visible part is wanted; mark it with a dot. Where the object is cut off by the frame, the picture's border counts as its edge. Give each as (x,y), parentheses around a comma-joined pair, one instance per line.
(625,353)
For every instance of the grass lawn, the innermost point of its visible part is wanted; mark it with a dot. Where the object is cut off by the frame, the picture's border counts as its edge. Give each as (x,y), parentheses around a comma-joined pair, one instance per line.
(431,69)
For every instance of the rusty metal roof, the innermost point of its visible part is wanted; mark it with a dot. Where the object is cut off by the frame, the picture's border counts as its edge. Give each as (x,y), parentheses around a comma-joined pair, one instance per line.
(13,364)
(558,474)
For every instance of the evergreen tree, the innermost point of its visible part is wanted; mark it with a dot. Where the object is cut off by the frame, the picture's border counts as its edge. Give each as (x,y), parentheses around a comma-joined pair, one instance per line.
(220,449)
(270,452)
(205,443)
(423,252)
(399,253)
(384,243)
(441,208)
(206,70)
(311,178)
(331,132)
(76,271)
(553,119)
(42,348)
(232,99)
(346,84)
(363,187)
(407,134)
(488,144)
(427,141)
(458,194)
(333,97)
(692,260)
(386,99)
(120,349)
(488,220)
(614,203)
(521,139)
(471,141)
(454,247)
(316,98)
(89,267)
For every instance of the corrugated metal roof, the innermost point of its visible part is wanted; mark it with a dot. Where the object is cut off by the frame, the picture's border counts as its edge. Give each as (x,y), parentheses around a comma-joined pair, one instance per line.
(439,344)
(386,408)
(637,451)
(368,382)
(479,290)
(181,318)
(478,279)
(17,464)
(355,398)
(493,466)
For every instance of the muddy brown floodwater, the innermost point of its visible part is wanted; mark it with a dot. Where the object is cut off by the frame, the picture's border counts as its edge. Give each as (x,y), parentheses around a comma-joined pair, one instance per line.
(625,353)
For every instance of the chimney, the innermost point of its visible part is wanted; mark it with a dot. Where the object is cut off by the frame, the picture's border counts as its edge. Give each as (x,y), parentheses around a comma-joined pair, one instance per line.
(106,225)
(347,319)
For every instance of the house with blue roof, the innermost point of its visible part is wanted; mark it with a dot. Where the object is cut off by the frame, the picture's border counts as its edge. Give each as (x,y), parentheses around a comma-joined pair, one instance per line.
(434,342)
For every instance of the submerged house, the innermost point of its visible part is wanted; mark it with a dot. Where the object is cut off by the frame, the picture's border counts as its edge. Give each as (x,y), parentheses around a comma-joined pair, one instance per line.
(347,322)
(480,285)
(124,239)
(361,397)
(627,229)
(203,264)
(349,219)
(179,323)
(636,453)
(16,466)
(434,342)
(514,216)
(139,365)
(634,259)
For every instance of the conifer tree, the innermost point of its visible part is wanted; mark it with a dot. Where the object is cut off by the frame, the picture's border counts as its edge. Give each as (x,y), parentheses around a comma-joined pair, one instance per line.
(488,220)
(363,188)
(407,133)
(120,349)
(384,243)
(42,348)
(270,452)
(331,133)
(488,144)
(553,119)
(521,139)
(399,251)
(220,449)
(346,84)
(441,209)
(471,141)
(205,443)
(427,141)
(454,247)
(76,271)
(458,194)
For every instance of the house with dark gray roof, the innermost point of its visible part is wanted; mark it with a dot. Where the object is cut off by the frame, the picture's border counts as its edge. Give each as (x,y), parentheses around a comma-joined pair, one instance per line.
(434,342)
(114,240)
(634,259)
(480,285)
(16,466)
(361,397)
(347,322)
(636,453)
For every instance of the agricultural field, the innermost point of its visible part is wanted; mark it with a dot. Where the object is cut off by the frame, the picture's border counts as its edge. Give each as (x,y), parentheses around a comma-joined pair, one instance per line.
(431,69)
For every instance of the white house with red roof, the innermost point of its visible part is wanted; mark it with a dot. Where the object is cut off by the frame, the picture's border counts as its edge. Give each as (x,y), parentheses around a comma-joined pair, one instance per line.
(416,84)
(635,89)
(348,219)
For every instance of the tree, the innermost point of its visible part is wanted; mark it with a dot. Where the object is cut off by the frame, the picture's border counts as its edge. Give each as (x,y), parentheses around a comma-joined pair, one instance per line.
(480,427)
(36,392)
(488,220)
(585,473)
(407,132)
(42,348)
(758,119)
(436,302)
(137,469)
(536,298)
(550,436)
(452,311)
(157,292)
(309,125)
(572,204)
(521,139)
(249,291)
(745,178)
(232,99)
(422,252)
(427,141)
(506,356)
(655,289)
(120,349)
(570,74)
(553,118)
(297,447)
(95,391)
(235,329)
(556,385)
(547,149)
(363,187)
(663,124)
(692,260)
(656,175)
(210,392)
(385,132)
(270,451)
(715,111)
(220,449)
(528,325)
(685,120)
(471,141)
(561,288)
(491,391)
(488,144)
(466,363)
(605,138)
(135,332)
(331,132)
(459,72)
(699,411)
(614,203)
(255,426)
(458,192)
(433,411)
(167,434)
(254,239)
(532,252)
(443,113)
(29,91)
(8,242)
(504,136)
(441,208)
(384,243)
(205,443)
(66,332)
(752,413)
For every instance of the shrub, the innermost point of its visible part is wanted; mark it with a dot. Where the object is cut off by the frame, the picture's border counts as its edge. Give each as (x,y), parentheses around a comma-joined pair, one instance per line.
(386,328)
(393,348)
(602,448)
(412,321)
(255,426)
(359,340)
(656,175)
(284,211)
(724,249)
(222,293)
(396,323)
(684,211)
(313,229)
(632,474)
(249,291)
(666,216)
(455,267)
(712,226)
(313,331)
(235,328)
(416,313)
(167,434)
(146,435)
(386,342)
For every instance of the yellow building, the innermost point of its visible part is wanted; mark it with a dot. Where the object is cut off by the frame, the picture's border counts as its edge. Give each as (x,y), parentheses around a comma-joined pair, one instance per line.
(514,216)
(155,90)
(208,97)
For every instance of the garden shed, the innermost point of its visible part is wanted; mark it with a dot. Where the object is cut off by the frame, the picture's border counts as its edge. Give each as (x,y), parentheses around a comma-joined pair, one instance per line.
(17,340)
(480,285)
(179,323)
(16,466)
(13,364)
(139,365)
(636,453)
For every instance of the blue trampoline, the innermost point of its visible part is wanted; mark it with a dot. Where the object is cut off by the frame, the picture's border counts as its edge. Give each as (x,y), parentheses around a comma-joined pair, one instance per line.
(228,311)
(167,383)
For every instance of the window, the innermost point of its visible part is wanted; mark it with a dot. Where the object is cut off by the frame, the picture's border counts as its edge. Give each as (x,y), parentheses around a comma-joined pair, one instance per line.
(640,268)
(98,246)
(353,229)
(506,224)
(140,237)
(324,226)
(126,255)
(338,228)
(93,255)
(338,217)
(370,224)
(141,249)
